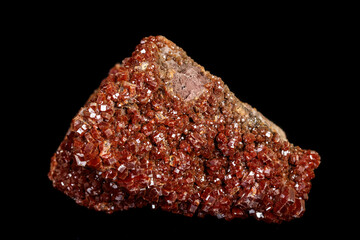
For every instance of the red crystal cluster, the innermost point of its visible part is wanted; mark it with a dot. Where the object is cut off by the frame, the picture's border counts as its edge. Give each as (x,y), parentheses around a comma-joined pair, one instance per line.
(139,141)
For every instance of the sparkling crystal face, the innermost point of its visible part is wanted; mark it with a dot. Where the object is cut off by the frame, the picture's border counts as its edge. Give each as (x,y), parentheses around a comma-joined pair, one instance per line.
(161,132)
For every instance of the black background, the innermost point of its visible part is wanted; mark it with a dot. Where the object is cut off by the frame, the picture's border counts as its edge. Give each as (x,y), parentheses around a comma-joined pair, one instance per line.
(285,65)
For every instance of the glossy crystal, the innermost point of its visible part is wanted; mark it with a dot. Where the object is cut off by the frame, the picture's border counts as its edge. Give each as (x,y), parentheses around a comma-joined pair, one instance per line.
(162,132)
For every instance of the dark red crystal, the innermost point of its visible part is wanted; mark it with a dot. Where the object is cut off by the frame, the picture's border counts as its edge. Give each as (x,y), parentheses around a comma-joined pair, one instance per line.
(160,131)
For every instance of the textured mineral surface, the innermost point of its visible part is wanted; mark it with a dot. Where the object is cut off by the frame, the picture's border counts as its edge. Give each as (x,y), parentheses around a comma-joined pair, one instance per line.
(162,132)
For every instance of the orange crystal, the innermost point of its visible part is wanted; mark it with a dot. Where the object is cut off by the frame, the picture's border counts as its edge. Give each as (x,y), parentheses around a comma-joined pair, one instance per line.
(162,132)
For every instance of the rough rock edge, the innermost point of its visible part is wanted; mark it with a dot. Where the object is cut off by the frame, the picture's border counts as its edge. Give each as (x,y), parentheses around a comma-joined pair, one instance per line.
(179,56)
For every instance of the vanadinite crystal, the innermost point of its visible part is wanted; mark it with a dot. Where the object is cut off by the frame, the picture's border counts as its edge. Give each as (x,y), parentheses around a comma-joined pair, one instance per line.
(162,132)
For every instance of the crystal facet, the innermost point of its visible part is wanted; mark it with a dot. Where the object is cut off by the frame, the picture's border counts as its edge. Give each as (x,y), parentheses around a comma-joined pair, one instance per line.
(162,132)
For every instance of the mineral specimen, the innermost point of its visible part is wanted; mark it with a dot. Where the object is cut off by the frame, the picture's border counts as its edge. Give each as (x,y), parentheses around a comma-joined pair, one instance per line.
(162,132)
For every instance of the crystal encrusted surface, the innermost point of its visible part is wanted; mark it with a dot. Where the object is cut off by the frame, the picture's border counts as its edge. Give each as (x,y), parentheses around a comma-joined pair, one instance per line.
(162,132)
